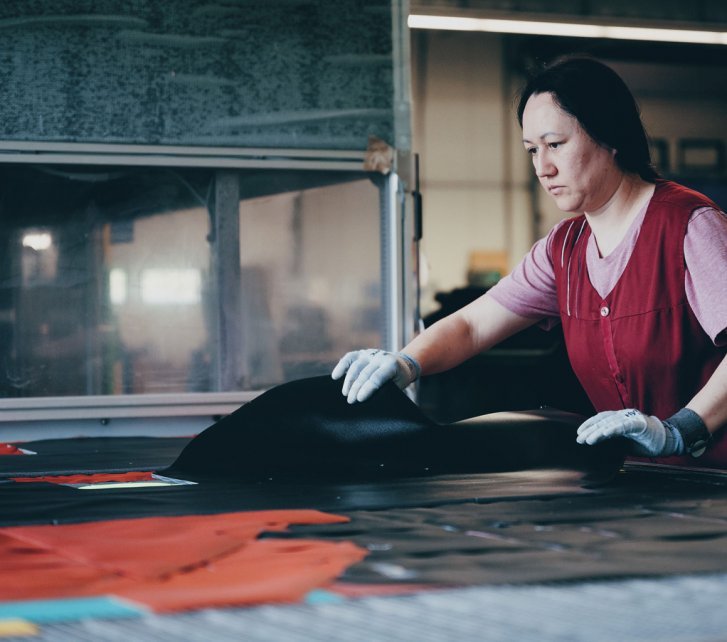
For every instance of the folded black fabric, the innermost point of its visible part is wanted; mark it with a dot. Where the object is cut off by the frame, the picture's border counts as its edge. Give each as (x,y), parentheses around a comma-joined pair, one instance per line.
(306,429)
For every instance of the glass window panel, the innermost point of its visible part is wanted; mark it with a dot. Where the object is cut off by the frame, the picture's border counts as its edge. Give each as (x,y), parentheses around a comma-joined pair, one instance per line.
(108,277)
(102,279)
(310,266)
(160,327)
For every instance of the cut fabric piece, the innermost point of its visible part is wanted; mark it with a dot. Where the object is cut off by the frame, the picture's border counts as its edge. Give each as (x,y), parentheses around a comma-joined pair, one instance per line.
(269,571)
(10,449)
(16,627)
(173,563)
(110,481)
(68,610)
(307,428)
(96,478)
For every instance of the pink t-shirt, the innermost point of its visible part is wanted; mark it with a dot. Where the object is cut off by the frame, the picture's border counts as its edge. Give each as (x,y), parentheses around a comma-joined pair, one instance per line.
(529,290)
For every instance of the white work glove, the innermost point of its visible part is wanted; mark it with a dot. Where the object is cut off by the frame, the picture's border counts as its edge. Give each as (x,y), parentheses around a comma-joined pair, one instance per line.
(652,437)
(367,370)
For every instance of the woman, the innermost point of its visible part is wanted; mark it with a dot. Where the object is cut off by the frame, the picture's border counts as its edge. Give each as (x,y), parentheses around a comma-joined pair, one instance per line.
(636,277)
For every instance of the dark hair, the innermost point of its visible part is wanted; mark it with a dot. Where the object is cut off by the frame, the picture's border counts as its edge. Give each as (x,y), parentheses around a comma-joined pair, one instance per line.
(597,97)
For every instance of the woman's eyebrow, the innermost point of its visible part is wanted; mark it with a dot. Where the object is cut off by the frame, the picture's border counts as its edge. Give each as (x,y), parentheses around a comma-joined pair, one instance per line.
(543,136)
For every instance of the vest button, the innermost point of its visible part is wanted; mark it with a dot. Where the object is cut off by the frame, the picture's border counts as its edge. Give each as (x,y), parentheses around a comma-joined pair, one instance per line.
(605,311)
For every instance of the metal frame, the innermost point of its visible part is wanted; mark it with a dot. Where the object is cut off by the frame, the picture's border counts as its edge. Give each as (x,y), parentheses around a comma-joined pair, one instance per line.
(390,262)
(178,156)
(106,407)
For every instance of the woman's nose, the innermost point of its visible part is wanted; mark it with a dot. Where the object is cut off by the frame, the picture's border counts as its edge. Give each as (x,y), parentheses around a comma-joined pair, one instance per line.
(543,166)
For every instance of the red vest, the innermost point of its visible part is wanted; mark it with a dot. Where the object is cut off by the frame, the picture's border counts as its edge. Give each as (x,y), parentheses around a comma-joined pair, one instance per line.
(641,346)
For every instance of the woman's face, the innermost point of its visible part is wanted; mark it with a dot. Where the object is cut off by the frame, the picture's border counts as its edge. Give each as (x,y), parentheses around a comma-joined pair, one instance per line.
(574,169)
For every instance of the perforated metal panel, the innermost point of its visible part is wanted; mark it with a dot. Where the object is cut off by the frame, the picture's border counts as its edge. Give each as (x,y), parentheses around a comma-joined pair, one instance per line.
(298,74)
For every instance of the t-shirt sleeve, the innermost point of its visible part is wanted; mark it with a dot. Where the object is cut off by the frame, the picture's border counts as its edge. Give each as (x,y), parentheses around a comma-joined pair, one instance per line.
(705,255)
(529,290)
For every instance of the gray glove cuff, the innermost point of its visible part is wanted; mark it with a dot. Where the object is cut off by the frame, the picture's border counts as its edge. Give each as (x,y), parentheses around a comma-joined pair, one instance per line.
(674,444)
(412,366)
(692,430)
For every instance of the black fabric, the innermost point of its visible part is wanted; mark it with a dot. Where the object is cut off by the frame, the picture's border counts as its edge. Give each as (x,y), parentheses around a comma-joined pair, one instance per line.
(88,455)
(508,527)
(636,528)
(46,503)
(307,429)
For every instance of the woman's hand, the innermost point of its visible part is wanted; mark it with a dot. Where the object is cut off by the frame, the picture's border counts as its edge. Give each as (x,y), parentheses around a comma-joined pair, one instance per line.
(367,370)
(652,437)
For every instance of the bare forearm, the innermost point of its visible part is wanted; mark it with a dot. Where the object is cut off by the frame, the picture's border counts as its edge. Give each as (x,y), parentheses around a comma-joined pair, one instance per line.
(443,345)
(710,403)
(467,332)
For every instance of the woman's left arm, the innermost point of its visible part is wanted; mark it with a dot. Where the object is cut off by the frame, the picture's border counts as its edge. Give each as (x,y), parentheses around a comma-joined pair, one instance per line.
(681,433)
(710,403)
(705,256)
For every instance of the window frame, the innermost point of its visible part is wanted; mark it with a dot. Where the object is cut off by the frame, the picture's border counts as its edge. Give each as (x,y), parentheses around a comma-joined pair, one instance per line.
(17,413)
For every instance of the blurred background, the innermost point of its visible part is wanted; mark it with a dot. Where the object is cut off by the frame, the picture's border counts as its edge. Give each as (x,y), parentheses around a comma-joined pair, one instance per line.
(187,204)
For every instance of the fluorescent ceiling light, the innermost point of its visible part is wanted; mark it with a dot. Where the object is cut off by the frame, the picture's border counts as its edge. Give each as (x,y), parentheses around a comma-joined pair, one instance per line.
(574,30)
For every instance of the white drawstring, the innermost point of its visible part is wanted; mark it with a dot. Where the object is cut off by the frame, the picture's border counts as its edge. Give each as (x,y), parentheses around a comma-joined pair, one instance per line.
(565,241)
(570,258)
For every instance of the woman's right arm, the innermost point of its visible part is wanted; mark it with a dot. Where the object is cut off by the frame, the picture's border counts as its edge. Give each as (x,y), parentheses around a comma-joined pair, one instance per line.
(463,334)
(529,290)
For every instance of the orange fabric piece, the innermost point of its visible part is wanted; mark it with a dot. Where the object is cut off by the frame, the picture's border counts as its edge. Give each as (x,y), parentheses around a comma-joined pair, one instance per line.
(173,563)
(93,478)
(9,449)
(271,571)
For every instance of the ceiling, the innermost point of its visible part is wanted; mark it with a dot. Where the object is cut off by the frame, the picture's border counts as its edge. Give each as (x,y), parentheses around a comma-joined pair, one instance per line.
(671,68)
(675,13)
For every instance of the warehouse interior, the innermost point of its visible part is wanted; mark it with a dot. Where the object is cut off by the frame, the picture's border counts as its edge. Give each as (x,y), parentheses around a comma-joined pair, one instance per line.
(204,206)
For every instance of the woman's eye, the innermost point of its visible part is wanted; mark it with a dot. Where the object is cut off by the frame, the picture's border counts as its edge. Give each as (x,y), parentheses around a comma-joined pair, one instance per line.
(530,150)
(553,145)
